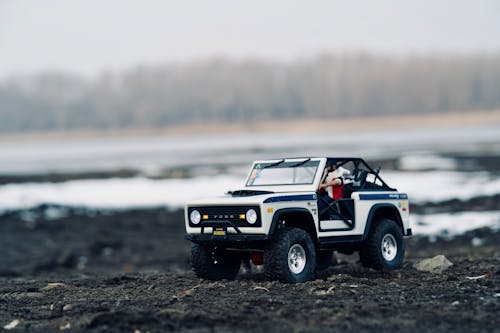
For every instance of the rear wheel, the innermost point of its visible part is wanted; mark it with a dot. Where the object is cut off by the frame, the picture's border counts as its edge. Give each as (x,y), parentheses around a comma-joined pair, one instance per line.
(214,263)
(384,248)
(291,257)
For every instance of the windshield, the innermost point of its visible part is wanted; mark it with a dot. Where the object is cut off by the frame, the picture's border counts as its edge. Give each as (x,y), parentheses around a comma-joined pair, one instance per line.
(283,173)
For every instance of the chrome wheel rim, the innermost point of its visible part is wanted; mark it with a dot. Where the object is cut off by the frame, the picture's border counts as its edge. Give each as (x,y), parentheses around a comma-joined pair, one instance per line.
(296,258)
(389,247)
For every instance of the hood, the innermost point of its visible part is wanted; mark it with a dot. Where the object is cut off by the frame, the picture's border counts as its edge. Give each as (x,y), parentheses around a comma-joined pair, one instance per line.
(254,199)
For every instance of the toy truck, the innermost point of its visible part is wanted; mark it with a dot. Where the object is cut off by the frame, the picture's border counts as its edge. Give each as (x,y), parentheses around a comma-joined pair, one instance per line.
(281,220)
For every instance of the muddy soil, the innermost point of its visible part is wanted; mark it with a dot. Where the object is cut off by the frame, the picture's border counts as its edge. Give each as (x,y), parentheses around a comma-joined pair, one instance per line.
(126,271)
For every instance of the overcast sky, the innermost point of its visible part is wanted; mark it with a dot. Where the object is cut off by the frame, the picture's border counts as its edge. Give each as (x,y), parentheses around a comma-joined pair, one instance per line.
(87,36)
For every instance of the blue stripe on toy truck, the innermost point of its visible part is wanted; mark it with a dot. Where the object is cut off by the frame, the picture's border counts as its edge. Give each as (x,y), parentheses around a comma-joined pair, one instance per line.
(303,197)
(380,196)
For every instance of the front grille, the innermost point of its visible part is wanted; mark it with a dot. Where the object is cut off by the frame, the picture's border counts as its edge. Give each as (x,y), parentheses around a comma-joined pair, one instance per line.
(226,213)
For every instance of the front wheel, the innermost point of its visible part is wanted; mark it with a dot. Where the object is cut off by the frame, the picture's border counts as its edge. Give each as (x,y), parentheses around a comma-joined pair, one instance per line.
(214,263)
(291,257)
(384,248)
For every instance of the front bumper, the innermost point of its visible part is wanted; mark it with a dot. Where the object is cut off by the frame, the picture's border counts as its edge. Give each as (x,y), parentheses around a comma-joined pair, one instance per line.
(240,241)
(197,238)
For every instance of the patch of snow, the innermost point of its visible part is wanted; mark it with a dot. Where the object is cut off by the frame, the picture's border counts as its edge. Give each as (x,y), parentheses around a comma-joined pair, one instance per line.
(115,193)
(442,185)
(426,161)
(449,224)
(476,241)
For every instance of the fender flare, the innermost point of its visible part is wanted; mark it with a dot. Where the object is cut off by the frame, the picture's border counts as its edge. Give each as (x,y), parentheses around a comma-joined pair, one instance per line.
(371,214)
(274,224)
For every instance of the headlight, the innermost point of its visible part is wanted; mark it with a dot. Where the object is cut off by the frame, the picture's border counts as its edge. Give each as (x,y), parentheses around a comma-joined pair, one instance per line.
(195,217)
(251,216)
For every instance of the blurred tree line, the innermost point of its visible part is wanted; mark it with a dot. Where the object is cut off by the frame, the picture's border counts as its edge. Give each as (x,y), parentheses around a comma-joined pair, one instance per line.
(224,91)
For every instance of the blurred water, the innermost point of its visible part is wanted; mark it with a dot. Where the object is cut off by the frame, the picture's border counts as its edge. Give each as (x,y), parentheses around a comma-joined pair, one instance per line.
(152,152)
(419,152)
(142,192)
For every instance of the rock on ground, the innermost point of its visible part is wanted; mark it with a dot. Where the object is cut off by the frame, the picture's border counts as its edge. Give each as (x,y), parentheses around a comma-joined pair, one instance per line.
(437,264)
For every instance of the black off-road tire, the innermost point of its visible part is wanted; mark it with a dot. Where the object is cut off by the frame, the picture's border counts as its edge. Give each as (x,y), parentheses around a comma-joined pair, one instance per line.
(373,254)
(213,263)
(324,260)
(276,265)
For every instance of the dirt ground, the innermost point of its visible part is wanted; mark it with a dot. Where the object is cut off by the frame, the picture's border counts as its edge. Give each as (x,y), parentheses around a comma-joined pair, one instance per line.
(129,271)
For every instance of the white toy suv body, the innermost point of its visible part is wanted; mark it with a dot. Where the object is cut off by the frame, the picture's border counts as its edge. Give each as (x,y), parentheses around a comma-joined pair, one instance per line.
(281,220)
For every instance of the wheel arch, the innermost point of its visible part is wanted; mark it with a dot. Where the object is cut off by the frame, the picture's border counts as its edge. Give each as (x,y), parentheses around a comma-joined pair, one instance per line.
(383,210)
(294,217)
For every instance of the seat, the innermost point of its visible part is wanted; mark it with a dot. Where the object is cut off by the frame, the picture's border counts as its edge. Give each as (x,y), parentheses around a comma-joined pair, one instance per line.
(360,179)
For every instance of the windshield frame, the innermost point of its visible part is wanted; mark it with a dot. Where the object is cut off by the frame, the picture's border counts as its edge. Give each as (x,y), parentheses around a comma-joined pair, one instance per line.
(286,163)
